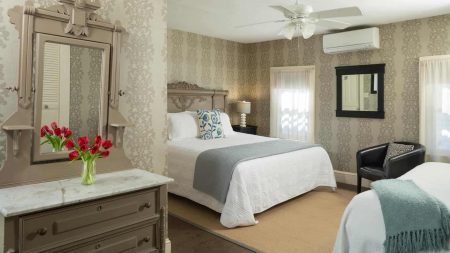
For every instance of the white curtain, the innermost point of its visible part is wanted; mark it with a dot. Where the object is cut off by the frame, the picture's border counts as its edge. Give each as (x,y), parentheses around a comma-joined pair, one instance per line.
(434,76)
(292,103)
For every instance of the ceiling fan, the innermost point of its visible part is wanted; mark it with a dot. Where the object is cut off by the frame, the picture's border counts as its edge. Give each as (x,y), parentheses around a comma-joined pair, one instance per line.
(302,20)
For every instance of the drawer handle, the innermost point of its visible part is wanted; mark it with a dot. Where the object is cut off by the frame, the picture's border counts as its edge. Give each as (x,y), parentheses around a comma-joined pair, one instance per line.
(148,205)
(99,208)
(147,239)
(41,231)
(98,246)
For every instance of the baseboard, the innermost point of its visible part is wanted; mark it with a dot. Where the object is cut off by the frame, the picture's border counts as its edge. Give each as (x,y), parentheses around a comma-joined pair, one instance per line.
(168,248)
(349,178)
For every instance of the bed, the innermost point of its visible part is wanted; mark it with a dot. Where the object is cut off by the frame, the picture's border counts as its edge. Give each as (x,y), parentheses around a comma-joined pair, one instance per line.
(362,226)
(257,184)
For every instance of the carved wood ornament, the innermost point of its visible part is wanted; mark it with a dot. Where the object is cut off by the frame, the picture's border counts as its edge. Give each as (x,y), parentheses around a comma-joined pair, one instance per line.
(184,86)
(185,102)
(80,11)
(184,96)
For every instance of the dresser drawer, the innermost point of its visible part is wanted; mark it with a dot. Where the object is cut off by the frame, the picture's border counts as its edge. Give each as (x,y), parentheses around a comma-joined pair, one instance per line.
(64,225)
(139,241)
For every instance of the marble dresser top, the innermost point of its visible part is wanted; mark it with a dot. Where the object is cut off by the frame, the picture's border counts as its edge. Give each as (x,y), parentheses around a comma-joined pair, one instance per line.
(37,197)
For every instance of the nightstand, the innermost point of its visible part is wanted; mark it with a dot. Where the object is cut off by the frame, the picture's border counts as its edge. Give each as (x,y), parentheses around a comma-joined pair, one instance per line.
(249,129)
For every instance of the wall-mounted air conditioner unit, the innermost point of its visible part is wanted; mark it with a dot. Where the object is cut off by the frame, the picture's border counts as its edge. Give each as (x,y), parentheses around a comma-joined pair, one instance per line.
(363,39)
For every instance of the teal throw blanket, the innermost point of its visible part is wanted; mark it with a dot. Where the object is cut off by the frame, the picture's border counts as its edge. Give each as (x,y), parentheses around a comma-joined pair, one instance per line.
(414,220)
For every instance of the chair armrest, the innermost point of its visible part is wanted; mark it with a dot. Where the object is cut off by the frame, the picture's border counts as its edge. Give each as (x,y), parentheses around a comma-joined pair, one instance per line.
(373,156)
(399,165)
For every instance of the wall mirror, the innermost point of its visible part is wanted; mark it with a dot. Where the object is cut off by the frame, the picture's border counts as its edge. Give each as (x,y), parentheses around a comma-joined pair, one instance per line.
(360,91)
(70,89)
(69,73)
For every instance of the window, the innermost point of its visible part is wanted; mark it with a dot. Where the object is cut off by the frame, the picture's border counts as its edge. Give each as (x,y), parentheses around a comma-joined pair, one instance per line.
(434,74)
(292,103)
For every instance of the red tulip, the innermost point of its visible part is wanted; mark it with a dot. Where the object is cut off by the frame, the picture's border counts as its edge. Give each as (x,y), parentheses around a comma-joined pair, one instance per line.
(43,132)
(95,149)
(58,131)
(84,147)
(84,140)
(98,140)
(69,144)
(67,133)
(45,129)
(54,125)
(105,153)
(107,144)
(73,155)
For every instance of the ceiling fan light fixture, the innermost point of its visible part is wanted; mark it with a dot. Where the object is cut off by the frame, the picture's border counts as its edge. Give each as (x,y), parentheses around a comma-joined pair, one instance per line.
(308,30)
(288,31)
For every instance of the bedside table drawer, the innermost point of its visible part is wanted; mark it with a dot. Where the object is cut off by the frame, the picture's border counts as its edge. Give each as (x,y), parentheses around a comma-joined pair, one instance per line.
(62,226)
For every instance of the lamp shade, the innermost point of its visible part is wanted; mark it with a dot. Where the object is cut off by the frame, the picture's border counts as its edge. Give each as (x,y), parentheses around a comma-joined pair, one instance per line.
(243,107)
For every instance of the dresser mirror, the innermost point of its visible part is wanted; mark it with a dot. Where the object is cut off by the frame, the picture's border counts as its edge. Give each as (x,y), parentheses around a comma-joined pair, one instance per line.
(70,89)
(69,72)
(360,91)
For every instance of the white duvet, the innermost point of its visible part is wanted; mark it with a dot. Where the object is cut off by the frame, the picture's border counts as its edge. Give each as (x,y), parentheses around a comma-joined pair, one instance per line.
(362,226)
(257,184)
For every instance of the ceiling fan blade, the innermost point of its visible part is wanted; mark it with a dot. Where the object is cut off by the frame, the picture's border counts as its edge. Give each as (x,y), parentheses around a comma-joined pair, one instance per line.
(288,31)
(287,12)
(332,24)
(308,30)
(337,13)
(264,22)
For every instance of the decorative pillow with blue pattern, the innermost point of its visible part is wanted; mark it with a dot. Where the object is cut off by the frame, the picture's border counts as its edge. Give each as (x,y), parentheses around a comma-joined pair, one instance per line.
(210,124)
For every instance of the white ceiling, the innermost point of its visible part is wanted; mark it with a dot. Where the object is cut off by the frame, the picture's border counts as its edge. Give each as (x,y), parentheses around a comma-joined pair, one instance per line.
(219,18)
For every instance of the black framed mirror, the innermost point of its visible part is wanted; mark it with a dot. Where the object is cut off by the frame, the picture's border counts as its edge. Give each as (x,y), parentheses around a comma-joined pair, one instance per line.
(360,91)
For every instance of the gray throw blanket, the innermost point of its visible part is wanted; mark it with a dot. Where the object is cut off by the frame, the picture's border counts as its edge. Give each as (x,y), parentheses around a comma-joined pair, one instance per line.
(214,167)
(414,220)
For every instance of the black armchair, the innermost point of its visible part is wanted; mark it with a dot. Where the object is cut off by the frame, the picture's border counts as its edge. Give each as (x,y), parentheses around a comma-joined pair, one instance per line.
(370,162)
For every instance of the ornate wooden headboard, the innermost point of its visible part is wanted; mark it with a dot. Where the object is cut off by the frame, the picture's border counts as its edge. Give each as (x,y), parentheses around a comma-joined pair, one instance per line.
(183,96)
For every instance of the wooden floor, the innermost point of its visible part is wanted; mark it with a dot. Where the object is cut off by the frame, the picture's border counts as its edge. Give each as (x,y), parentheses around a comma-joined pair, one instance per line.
(187,238)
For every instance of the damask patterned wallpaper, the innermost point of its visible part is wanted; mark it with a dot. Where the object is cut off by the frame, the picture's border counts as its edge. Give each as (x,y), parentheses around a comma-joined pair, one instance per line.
(208,62)
(193,58)
(143,74)
(401,46)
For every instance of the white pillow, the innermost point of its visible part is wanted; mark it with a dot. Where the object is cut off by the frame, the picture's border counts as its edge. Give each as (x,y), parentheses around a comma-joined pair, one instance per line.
(183,125)
(226,124)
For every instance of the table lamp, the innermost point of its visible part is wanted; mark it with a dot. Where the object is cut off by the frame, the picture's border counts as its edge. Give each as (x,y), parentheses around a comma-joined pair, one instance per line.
(243,107)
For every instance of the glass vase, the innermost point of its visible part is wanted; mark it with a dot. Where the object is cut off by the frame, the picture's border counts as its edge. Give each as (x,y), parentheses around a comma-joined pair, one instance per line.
(56,149)
(88,174)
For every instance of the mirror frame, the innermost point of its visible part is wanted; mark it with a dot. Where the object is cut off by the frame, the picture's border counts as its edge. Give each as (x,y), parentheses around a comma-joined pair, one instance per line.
(40,41)
(68,20)
(355,70)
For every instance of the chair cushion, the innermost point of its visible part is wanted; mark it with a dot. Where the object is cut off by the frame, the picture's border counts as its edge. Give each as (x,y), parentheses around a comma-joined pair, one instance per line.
(372,173)
(395,149)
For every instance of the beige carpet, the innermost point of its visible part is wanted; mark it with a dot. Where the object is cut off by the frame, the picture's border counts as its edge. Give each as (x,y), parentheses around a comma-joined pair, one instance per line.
(308,223)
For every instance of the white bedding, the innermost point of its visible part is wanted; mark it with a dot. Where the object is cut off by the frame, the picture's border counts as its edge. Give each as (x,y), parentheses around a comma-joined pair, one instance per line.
(362,226)
(257,184)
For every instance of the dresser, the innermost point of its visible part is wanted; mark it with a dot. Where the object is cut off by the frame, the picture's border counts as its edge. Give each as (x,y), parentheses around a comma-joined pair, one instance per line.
(123,211)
